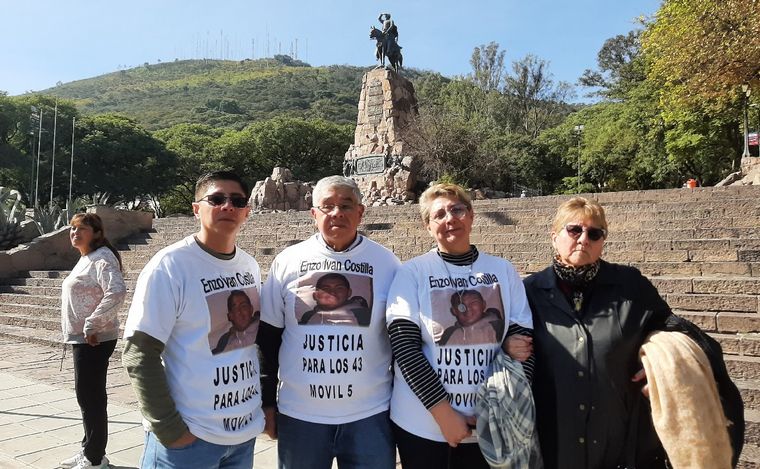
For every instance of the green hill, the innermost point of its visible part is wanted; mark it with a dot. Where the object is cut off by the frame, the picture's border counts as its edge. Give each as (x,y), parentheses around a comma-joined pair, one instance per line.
(221,93)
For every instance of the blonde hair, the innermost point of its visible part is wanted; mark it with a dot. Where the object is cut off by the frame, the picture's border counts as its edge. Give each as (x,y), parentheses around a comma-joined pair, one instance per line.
(579,208)
(442,190)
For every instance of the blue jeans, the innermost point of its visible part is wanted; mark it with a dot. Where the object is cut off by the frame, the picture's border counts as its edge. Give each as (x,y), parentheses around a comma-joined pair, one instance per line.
(197,455)
(363,444)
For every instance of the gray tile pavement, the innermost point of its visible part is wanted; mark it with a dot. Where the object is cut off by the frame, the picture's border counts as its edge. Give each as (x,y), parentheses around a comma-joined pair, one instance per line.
(40,423)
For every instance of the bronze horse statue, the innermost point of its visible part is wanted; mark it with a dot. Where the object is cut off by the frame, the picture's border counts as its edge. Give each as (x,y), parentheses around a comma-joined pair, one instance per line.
(395,59)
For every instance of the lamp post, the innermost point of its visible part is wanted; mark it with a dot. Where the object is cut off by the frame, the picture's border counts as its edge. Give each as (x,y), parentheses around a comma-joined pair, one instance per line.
(579,134)
(746,91)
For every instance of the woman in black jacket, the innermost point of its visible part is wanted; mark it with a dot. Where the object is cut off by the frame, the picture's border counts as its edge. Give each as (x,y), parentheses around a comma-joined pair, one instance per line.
(590,319)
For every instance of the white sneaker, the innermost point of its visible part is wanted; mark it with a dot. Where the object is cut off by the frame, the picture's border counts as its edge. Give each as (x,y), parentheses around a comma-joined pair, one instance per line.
(72,461)
(84,463)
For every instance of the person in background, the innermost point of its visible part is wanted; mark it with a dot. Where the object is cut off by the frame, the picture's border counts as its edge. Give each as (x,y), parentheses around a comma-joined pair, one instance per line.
(90,300)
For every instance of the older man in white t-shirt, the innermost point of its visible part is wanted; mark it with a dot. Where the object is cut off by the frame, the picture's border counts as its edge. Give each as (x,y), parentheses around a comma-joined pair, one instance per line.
(324,342)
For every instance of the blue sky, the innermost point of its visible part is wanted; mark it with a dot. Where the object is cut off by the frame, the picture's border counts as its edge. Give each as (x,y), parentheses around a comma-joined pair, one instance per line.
(46,41)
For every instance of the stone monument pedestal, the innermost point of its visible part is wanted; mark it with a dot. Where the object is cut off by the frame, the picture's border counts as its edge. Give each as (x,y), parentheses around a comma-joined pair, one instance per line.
(376,159)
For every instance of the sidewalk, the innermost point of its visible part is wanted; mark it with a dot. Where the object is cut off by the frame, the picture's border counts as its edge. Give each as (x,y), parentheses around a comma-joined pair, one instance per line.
(40,422)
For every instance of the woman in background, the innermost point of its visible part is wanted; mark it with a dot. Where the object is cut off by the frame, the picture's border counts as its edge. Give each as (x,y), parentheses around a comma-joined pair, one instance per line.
(91,296)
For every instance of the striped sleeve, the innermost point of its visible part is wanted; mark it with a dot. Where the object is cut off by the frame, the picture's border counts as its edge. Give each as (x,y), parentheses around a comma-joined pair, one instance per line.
(406,344)
(530,363)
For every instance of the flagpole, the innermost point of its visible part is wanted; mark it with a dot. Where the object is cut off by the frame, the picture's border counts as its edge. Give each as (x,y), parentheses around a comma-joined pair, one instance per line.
(52,164)
(31,157)
(39,149)
(71,169)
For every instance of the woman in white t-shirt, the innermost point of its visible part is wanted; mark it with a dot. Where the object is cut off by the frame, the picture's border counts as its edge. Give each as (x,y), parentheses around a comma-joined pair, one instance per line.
(90,300)
(449,311)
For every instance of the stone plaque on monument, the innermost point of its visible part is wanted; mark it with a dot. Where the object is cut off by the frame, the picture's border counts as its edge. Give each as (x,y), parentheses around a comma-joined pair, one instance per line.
(372,164)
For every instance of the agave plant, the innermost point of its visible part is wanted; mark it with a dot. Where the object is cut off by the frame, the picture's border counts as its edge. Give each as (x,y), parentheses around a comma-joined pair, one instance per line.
(11,209)
(100,198)
(49,218)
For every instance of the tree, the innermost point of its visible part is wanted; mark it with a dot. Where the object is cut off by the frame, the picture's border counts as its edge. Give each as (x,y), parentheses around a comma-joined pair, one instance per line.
(311,148)
(620,67)
(487,63)
(18,150)
(702,50)
(116,155)
(535,100)
(192,146)
(445,145)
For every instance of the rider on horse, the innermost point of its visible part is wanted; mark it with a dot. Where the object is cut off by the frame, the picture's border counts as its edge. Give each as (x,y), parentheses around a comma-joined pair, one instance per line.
(390,32)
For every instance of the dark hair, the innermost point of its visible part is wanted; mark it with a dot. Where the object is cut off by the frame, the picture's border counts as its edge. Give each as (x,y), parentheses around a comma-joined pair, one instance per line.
(456,298)
(235,293)
(93,221)
(209,178)
(331,276)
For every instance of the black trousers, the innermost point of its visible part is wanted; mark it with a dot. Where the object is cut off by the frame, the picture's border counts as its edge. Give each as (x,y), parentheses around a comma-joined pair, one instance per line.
(420,453)
(90,369)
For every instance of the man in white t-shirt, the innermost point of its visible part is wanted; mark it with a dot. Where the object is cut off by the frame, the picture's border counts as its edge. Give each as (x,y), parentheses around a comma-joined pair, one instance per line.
(326,355)
(200,409)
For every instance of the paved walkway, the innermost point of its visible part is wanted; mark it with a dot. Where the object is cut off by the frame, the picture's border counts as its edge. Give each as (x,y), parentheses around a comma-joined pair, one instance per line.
(40,423)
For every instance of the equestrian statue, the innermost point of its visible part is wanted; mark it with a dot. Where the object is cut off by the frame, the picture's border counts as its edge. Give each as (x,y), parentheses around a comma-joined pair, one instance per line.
(387,43)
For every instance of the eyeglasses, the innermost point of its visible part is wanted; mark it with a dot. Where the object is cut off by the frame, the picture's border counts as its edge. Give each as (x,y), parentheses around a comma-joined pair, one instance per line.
(330,208)
(237,201)
(594,234)
(457,211)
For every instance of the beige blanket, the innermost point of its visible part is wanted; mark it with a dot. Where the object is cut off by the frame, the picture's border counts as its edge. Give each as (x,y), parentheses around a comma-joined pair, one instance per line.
(686,408)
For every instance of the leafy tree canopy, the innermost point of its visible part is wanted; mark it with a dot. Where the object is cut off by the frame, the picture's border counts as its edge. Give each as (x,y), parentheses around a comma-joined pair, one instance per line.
(702,50)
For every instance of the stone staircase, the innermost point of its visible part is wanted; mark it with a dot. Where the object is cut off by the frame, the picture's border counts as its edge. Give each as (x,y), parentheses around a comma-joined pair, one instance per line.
(700,247)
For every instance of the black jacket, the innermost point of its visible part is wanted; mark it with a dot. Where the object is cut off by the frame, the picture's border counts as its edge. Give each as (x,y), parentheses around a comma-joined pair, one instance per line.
(585,400)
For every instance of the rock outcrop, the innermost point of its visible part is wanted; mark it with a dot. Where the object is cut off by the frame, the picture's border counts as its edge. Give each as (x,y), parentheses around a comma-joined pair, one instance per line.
(281,192)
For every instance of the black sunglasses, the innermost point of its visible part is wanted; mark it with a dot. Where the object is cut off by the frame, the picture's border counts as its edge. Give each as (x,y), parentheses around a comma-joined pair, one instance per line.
(594,234)
(238,201)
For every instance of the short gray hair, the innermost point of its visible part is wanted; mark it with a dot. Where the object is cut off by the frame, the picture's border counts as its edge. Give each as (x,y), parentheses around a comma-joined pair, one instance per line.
(330,182)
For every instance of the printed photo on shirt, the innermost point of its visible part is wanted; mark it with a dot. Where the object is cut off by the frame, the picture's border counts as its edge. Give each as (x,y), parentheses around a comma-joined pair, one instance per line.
(235,316)
(467,317)
(334,298)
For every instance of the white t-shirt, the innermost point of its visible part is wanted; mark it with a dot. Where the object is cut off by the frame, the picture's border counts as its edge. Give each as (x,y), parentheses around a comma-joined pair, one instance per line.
(180,294)
(428,291)
(335,355)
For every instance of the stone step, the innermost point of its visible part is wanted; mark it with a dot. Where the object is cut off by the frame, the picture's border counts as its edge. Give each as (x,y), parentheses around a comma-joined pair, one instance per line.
(698,269)
(32,323)
(29,300)
(743,367)
(48,338)
(751,419)
(40,336)
(31,290)
(714,302)
(750,457)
